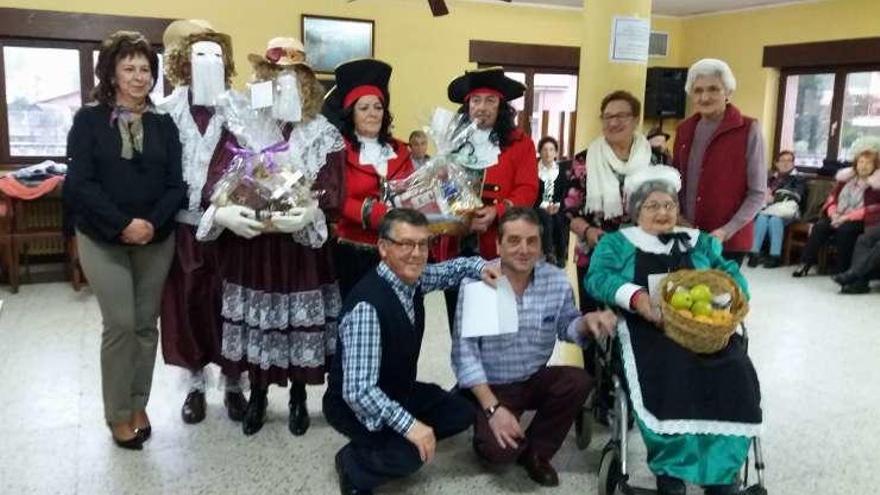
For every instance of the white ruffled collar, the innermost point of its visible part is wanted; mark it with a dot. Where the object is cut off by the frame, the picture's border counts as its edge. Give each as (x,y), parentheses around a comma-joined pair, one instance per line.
(650,243)
(375,154)
(548,174)
(485,151)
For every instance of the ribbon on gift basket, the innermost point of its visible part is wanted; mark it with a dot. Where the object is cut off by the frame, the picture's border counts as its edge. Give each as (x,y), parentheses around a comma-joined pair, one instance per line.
(267,154)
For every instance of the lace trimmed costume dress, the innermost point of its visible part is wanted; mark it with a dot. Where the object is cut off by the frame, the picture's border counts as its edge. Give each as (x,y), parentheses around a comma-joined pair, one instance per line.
(280,296)
(697,413)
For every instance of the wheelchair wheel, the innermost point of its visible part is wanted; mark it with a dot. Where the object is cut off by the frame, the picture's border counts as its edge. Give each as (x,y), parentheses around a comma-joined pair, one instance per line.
(609,470)
(583,428)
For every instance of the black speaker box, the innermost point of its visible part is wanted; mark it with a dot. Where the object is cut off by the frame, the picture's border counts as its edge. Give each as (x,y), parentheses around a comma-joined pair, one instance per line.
(664,92)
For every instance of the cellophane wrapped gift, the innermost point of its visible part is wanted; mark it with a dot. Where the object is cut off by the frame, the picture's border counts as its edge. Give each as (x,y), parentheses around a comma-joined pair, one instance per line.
(444,189)
(261,176)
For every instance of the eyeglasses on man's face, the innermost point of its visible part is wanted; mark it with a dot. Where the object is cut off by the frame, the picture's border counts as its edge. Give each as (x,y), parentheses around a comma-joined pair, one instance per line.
(410,245)
(616,117)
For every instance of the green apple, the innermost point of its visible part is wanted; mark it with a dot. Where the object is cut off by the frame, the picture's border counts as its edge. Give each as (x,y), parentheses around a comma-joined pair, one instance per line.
(702,308)
(701,292)
(681,300)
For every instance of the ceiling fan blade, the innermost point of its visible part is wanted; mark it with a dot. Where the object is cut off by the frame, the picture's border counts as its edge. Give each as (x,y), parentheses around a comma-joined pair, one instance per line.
(438,7)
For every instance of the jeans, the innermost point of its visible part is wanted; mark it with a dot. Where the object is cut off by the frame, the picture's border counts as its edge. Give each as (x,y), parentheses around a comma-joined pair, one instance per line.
(773,225)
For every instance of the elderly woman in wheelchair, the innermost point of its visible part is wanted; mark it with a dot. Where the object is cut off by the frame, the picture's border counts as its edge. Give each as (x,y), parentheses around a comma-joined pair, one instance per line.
(697,413)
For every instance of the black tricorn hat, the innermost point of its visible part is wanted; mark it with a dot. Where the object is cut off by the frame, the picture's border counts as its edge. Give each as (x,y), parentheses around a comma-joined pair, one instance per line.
(489,78)
(356,75)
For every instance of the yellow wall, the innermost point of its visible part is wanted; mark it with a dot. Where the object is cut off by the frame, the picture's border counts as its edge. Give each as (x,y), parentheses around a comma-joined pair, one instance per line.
(739,39)
(426,52)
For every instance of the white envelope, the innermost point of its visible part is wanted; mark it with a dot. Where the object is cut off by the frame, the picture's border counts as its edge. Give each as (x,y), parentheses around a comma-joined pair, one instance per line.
(261,94)
(487,311)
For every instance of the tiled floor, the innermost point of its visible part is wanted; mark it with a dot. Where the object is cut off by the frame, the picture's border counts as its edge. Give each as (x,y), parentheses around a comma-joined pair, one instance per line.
(816,354)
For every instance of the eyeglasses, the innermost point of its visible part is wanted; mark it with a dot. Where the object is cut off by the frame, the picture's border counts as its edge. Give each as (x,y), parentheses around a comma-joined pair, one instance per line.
(655,206)
(620,117)
(408,246)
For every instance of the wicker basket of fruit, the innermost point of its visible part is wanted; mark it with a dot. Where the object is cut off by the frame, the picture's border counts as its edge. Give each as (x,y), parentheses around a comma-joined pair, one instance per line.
(701,308)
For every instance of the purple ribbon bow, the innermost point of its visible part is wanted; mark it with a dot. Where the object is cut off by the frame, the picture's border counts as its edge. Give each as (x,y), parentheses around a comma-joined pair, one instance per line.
(267,154)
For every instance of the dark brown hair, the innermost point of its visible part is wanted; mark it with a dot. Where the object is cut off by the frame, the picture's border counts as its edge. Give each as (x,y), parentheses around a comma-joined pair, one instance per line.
(620,95)
(120,46)
(514,213)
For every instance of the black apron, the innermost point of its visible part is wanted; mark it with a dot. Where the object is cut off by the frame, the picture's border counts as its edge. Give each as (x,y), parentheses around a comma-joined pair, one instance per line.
(679,384)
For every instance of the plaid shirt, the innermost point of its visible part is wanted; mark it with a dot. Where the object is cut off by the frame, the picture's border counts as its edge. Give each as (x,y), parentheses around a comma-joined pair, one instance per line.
(546,312)
(362,346)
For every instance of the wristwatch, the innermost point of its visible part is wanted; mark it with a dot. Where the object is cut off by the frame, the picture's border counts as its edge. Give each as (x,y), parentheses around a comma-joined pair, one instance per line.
(489,411)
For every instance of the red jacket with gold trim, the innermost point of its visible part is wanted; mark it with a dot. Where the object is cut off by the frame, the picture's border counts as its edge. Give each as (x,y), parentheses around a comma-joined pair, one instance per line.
(362,182)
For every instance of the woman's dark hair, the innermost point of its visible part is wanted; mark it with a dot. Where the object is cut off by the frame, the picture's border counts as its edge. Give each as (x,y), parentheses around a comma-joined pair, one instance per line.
(504,124)
(548,139)
(620,95)
(348,131)
(120,46)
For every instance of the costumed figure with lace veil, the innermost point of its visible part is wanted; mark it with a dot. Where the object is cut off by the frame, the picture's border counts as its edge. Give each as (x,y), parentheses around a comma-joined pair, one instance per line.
(198,62)
(271,201)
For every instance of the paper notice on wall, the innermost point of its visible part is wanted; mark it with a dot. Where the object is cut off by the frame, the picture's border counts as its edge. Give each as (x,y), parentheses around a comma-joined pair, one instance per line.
(630,37)
(488,311)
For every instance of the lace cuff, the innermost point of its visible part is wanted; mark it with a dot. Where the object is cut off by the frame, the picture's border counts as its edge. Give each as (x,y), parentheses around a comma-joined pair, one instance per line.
(208,230)
(315,234)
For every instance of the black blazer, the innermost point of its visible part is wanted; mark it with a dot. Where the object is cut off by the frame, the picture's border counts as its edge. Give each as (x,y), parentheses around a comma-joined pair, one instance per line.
(559,186)
(105,191)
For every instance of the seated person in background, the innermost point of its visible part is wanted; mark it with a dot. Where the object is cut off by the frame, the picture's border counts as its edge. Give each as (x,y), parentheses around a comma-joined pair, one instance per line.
(697,413)
(659,142)
(552,184)
(844,212)
(418,148)
(785,190)
(508,374)
(373,398)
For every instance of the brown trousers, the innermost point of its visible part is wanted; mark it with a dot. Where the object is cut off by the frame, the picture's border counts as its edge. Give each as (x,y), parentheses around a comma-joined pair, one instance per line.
(555,393)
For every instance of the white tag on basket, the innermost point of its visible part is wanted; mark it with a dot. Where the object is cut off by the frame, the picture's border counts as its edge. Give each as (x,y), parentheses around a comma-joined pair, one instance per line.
(654,289)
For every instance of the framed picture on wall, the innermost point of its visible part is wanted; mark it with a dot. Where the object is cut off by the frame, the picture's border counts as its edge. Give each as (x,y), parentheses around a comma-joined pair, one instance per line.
(330,41)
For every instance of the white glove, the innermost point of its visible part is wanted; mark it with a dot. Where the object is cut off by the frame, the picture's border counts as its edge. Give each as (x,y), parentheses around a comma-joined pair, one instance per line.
(239,219)
(295,220)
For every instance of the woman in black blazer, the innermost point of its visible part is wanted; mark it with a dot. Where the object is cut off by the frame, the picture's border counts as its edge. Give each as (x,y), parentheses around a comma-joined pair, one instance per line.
(551,191)
(124,186)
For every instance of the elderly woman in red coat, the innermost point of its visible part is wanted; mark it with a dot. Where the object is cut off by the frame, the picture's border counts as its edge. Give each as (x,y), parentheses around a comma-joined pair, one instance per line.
(359,106)
(720,154)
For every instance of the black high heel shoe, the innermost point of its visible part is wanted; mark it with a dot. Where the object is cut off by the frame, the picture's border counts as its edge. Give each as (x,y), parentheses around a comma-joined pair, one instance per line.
(299,421)
(255,414)
(803,271)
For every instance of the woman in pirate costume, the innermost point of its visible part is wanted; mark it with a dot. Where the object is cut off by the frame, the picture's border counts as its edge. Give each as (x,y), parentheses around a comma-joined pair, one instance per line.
(359,106)
(280,295)
(697,413)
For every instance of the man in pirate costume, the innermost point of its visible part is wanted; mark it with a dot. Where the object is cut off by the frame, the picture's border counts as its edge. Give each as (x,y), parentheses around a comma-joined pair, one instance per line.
(505,154)
(280,292)
(697,413)
(198,62)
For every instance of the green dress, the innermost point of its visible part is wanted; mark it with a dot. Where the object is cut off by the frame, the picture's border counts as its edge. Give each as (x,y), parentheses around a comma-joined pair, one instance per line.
(697,413)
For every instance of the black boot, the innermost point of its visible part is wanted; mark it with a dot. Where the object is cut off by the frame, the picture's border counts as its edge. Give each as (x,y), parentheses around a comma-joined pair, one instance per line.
(802,271)
(255,414)
(754,260)
(236,404)
(299,421)
(193,410)
(844,278)
(667,485)
(772,262)
(857,287)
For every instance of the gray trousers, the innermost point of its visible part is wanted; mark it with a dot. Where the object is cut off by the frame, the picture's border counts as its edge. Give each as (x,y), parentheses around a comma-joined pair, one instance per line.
(127,281)
(866,255)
